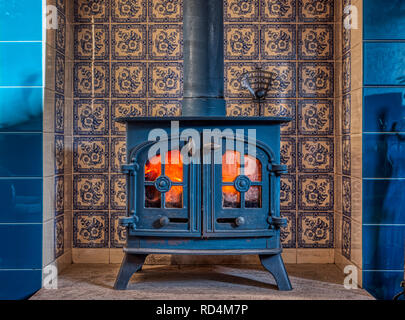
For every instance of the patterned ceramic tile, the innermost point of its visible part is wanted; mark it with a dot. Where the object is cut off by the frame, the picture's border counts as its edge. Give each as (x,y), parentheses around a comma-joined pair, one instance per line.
(277,10)
(241,108)
(90,192)
(128,42)
(346,237)
(61,6)
(288,233)
(118,153)
(315,155)
(287,192)
(346,196)
(123,108)
(118,194)
(315,117)
(59,195)
(241,10)
(282,108)
(315,10)
(165,42)
(315,42)
(118,234)
(284,84)
(165,10)
(91,10)
(59,73)
(87,75)
(346,114)
(60,35)
(165,80)
(346,73)
(315,229)
(315,192)
(163,108)
(91,44)
(128,80)
(241,42)
(288,153)
(90,117)
(315,79)
(277,42)
(59,113)
(233,73)
(346,155)
(90,230)
(90,154)
(128,10)
(59,154)
(346,34)
(59,236)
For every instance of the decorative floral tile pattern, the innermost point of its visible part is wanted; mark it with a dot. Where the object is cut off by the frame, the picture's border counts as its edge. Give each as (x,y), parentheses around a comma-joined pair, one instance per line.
(278,42)
(164,108)
(315,10)
(288,153)
(288,233)
(284,83)
(87,75)
(90,117)
(89,44)
(166,80)
(315,230)
(128,42)
(241,108)
(59,121)
(315,79)
(91,10)
(277,10)
(118,233)
(60,35)
(165,10)
(59,236)
(59,73)
(346,34)
(346,237)
(346,196)
(241,42)
(128,10)
(118,194)
(90,154)
(346,73)
(61,6)
(59,154)
(233,74)
(287,192)
(315,192)
(281,108)
(90,192)
(241,10)
(315,154)
(125,108)
(315,42)
(346,155)
(315,117)
(90,230)
(128,80)
(59,195)
(118,153)
(346,114)
(165,42)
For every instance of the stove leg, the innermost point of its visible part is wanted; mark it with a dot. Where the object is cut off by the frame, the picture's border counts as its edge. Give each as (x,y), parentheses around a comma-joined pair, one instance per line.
(275,265)
(130,264)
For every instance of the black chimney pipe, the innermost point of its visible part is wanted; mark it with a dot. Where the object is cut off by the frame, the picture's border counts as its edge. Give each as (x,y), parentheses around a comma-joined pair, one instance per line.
(203,58)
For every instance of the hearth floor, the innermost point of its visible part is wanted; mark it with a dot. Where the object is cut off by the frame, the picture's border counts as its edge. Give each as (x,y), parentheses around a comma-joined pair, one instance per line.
(95,281)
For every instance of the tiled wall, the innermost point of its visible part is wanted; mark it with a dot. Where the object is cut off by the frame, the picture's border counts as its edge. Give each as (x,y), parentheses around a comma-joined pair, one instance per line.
(383,147)
(21,96)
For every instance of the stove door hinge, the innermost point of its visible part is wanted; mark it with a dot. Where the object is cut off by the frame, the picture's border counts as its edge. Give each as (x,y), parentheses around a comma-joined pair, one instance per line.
(278,169)
(129,168)
(277,222)
(129,222)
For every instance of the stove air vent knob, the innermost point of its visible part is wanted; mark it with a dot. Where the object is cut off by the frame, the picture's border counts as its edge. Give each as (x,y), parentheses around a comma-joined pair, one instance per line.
(164,221)
(240,221)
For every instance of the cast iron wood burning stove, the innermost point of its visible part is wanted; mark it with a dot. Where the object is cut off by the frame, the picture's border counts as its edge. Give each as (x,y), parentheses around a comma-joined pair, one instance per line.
(210,186)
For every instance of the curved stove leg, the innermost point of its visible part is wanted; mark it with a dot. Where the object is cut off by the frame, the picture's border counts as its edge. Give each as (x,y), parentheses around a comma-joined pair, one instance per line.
(275,265)
(130,264)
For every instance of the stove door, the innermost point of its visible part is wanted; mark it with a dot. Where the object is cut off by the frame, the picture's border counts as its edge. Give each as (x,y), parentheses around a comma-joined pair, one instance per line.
(243,192)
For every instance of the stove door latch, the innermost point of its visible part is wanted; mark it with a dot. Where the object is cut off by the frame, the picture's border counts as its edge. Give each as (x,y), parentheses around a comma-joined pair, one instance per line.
(278,169)
(129,222)
(129,168)
(277,222)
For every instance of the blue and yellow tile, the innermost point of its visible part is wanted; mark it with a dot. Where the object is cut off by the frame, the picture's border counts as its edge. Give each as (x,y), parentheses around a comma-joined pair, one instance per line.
(278,42)
(59,236)
(118,233)
(59,154)
(316,10)
(164,108)
(128,80)
(278,10)
(315,42)
(315,117)
(315,230)
(87,75)
(91,10)
(59,73)
(90,117)
(315,155)
(165,80)
(346,237)
(59,195)
(288,153)
(233,74)
(128,42)
(281,108)
(288,192)
(346,114)
(241,108)
(91,42)
(315,80)
(118,153)
(165,42)
(125,108)
(59,113)
(90,230)
(241,42)
(90,154)
(284,83)
(241,10)
(128,11)
(90,192)
(346,196)
(315,192)
(165,10)
(346,155)
(288,233)
(118,194)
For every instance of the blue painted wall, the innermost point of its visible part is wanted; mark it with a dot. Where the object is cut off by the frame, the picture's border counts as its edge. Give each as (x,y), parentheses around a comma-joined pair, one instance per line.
(21,105)
(383,146)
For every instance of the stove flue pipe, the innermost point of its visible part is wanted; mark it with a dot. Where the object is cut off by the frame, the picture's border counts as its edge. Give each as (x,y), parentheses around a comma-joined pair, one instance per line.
(203,58)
